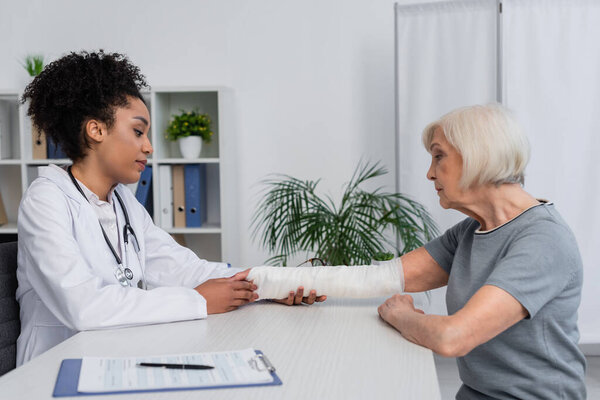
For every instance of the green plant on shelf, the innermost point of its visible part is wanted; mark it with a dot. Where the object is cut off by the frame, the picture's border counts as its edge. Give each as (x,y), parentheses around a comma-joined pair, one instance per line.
(33,64)
(190,123)
(291,218)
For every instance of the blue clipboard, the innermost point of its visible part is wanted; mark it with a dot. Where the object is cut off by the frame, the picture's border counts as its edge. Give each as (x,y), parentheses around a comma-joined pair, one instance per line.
(68,378)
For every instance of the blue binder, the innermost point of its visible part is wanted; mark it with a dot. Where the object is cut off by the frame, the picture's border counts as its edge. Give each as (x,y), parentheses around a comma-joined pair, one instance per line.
(54,151)
(143,193)
(68,379)
(194,176)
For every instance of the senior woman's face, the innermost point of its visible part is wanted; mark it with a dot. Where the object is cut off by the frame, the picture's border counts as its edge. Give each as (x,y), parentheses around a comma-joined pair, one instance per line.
(445,170)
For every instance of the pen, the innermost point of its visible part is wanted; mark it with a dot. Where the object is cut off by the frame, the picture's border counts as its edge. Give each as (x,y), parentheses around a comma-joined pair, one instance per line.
(175,366)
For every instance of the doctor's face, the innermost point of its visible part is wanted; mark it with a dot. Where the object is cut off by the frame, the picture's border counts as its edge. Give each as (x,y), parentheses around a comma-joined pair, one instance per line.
(126,148)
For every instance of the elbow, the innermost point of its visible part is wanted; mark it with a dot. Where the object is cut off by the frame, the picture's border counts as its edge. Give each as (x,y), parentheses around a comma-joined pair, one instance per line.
(452,342)
(76,323)
(80,319)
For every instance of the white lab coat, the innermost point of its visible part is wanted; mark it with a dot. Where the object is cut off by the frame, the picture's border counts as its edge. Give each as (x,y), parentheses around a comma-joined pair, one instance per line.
(66,269)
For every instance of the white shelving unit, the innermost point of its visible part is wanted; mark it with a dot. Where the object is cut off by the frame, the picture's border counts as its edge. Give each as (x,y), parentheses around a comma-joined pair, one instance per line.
(215,238)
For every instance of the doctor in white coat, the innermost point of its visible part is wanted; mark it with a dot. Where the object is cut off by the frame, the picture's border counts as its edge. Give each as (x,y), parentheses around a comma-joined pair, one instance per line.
(81,265)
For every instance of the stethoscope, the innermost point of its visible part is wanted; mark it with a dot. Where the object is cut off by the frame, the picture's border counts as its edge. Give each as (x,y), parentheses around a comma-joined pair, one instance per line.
(123,274)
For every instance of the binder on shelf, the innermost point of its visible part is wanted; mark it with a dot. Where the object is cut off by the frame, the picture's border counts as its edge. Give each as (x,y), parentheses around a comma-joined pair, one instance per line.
(143,192)
(178,196)
(38,145)
(166,196)
(3,217)
(54,150)
(195,195)
(5,151)
(90,376)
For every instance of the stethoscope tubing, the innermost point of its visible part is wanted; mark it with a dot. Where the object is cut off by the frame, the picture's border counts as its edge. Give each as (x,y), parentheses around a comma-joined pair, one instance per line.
(127,229)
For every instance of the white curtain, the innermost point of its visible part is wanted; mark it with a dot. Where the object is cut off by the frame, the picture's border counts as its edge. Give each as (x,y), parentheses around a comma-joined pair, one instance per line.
(445,58)
(551,79)
(549,57)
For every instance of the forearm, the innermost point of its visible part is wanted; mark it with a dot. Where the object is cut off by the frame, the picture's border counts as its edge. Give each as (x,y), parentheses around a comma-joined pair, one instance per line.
(341,281)
(435,332)
(488,313)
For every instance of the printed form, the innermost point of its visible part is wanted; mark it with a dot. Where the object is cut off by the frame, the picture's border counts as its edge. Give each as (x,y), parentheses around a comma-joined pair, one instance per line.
(232,368)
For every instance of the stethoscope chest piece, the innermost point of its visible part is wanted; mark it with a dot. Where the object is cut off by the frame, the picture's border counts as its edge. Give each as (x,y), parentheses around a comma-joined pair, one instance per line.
(128,274)
(121,277)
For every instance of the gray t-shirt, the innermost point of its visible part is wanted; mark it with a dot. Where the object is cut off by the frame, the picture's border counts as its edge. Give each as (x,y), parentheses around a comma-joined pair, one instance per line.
(535,258)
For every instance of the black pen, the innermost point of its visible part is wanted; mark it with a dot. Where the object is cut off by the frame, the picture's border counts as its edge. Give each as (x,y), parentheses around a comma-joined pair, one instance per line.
(175,366)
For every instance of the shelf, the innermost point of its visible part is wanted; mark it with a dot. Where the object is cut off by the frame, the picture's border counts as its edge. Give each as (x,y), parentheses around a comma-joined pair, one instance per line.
(211,160)
(18,168)
(206,228)
(10,227)
(184,89)
(49,161)
(10,162)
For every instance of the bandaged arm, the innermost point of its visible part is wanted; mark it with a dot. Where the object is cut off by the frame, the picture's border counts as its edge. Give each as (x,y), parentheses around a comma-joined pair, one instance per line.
(353,282)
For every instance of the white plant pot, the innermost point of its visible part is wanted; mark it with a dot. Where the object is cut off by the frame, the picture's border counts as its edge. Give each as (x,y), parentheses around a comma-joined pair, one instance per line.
(190,146)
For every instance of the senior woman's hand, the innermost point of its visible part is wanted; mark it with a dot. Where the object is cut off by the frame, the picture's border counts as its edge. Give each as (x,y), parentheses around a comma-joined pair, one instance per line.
(395,306)
(298,298)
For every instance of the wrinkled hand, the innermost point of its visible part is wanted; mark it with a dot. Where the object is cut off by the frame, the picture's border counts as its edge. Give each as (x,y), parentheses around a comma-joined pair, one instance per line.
(227,294)
(297,298)
(395,306)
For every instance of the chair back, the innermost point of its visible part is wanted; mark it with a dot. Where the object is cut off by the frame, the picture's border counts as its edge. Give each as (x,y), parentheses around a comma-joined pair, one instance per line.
(10,324)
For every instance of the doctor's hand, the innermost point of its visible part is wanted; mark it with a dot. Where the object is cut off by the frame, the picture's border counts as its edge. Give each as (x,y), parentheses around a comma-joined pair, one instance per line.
(227,294)
(298,298)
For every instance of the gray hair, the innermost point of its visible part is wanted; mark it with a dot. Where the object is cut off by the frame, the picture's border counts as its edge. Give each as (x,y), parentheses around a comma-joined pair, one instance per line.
(493,147)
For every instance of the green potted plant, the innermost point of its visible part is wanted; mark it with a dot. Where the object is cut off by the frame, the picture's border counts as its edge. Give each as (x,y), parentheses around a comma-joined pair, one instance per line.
(33,64)
(291,218)
(190,129)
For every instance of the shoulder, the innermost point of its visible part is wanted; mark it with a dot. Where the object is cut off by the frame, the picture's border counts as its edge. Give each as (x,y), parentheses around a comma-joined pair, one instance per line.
(51,188)
(544,235)
(544,223)
(444,247)
(44,193)
(46,207)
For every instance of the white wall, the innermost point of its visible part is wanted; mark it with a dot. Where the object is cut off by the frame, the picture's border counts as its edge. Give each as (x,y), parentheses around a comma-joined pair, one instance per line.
(313,80)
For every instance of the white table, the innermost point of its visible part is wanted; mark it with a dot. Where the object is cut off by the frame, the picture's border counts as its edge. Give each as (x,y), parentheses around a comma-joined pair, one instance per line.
(339,349)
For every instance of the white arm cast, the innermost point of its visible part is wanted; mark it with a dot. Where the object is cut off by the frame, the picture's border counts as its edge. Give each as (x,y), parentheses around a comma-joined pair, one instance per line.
(355,282)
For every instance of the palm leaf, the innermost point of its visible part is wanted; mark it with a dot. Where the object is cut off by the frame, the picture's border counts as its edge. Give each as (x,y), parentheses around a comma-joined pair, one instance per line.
(291,218)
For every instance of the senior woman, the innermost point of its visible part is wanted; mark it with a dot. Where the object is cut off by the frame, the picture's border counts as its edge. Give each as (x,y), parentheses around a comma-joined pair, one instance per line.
(512,267)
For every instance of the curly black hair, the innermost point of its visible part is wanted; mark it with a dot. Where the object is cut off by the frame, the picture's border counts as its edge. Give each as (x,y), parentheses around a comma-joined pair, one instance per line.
(76,88)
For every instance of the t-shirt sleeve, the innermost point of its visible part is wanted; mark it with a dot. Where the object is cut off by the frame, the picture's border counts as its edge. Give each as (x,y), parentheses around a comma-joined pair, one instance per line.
(443,248)
(537,267)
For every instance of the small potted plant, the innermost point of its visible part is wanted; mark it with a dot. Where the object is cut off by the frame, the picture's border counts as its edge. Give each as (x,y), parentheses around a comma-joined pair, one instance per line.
(190,129)
(33,64)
